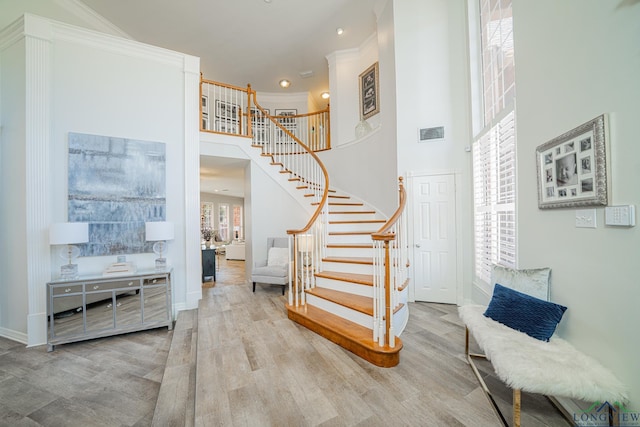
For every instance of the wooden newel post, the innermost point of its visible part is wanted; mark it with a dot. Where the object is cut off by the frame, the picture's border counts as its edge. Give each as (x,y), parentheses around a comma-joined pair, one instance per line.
(249,118)
(386,238)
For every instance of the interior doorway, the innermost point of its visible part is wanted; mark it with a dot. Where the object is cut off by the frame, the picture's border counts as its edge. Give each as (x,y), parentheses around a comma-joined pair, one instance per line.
(222,211)
(434,237)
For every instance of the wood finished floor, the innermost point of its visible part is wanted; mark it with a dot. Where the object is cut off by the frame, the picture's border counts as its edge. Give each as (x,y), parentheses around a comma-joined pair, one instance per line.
(254,368)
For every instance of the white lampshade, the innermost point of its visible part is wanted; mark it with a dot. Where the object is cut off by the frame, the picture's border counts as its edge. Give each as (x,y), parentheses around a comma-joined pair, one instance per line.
(158,230)
(64,233)
(305,243)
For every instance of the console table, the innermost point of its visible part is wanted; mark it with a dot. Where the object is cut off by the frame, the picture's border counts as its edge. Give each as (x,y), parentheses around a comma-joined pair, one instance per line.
(99,306)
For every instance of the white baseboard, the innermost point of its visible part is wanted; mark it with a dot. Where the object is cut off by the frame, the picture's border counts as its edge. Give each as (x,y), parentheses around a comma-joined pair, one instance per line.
(13,335)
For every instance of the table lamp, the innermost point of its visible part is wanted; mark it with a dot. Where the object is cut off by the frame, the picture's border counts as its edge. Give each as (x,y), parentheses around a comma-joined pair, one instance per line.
(68,233)
(160,232)
(305,246)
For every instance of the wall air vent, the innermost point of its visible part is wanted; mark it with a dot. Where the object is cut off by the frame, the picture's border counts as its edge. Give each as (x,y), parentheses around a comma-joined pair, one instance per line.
(306,74)
(428,134)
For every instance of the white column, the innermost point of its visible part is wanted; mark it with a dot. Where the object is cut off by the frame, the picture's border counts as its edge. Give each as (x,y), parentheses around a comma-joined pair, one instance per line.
(38,36)
(193,263)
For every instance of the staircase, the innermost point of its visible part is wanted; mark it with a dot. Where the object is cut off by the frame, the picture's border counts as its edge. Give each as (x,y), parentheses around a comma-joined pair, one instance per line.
(340,307)
(349,262)
(349,281)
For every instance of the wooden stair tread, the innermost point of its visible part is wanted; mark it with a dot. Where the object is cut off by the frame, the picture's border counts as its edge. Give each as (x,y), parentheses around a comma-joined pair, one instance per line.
(350,245)
(343,204)
(360,221)
(350,260)
(350,233)
(352,212)
(349,335)
(358,303)
(355,302)
(361,279)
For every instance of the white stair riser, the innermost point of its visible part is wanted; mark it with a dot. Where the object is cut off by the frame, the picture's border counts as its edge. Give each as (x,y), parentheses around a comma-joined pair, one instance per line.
(355,227)
(351,217)
(342,311)
(349,252)
(350,238)
(345,208)
(400,319)
(338,285)
(343,267)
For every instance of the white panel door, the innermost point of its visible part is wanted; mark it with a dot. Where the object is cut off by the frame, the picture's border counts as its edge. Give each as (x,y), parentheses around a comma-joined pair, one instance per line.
(434,238)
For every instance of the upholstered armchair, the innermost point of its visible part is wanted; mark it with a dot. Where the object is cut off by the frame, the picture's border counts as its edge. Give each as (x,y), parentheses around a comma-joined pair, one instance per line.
(275,269)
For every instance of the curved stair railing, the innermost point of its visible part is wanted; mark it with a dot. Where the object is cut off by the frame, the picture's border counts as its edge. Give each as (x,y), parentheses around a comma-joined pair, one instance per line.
(390,263)
(368,301)
(304,167)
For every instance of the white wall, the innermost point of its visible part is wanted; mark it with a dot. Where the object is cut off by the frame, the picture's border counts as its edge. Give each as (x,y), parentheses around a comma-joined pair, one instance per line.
(432,84)
(365,167)
(270,213)
(285,100)
(272,205)
(575,60)
(82,81)
(13,299)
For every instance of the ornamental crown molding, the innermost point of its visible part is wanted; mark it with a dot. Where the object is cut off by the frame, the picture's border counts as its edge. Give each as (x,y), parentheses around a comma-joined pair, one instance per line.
(92,18)
(12,33)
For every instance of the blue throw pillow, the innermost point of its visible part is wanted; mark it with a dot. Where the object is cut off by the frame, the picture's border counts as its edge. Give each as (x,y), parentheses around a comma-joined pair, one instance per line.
(535,317)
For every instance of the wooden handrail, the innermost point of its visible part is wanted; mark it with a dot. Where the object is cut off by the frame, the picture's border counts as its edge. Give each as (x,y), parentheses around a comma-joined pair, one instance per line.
(394,218)
(228,86)
(314,113)
(325,194)
(383,236)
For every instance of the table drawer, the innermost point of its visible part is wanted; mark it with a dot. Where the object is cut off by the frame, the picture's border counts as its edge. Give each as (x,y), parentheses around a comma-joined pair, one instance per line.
(107,286)
(155,281)
(67,289)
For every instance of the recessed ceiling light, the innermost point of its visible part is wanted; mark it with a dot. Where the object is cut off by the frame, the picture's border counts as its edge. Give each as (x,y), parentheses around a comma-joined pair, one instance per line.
(267,1)
(284,83)
(339,31)
(325,95)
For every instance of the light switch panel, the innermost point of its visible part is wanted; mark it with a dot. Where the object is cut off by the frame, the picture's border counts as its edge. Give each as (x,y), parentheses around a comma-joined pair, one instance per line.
(623,216)
(586,218)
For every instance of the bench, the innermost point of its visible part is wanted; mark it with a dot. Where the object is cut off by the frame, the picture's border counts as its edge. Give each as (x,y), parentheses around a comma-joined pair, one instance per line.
(554,368)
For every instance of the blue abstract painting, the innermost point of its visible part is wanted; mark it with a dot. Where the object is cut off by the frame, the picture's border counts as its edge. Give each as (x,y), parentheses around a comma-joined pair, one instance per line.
(116,185)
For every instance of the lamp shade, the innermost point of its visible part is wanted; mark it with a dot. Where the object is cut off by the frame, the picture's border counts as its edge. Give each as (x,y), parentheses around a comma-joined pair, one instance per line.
(305,242)
(158,230)
(64,233)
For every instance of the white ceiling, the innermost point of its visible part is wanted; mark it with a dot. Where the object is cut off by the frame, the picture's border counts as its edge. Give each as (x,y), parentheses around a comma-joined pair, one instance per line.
(222,176)
(242,42)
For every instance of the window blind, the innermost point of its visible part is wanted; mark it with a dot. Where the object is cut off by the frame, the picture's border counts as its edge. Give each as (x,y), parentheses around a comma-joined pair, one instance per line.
(494,148)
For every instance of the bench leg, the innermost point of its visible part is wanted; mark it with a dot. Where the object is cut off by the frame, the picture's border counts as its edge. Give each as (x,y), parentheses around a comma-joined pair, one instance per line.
(516,407)
(466,341)
(483,385)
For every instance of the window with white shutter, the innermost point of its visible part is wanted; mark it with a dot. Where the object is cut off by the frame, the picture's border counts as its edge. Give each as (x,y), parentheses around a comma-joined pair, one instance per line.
(494,147)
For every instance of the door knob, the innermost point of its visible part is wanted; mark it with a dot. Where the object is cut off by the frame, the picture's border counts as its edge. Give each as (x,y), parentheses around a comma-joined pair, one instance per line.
(417,245)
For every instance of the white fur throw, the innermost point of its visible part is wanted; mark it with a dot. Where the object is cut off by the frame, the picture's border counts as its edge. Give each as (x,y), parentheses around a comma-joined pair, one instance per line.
(553,368)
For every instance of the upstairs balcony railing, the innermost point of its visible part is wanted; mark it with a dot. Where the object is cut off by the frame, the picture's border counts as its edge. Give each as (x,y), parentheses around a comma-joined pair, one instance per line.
(232,110)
